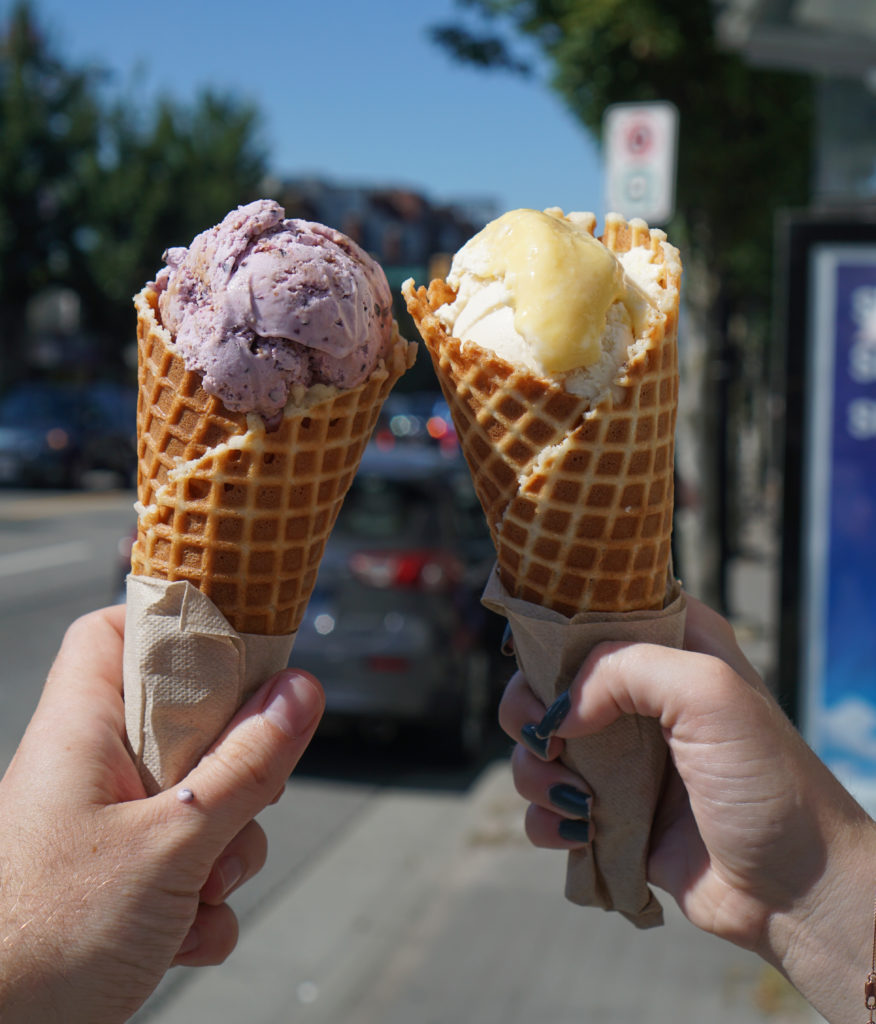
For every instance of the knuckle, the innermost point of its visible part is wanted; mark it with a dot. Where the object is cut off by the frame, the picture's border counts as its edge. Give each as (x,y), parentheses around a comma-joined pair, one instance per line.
(533,833)
(609,655)
(242,764)
(521,769)
(722,675)
(81,627)
(537,828)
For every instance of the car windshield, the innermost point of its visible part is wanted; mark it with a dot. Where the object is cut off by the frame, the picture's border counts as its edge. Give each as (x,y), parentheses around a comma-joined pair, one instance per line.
(37,406)
(468,516)
(410,510)
(97,406)
(378,509)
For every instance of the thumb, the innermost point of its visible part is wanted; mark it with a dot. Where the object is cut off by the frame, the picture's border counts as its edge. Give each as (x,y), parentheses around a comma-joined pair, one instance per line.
(254,757)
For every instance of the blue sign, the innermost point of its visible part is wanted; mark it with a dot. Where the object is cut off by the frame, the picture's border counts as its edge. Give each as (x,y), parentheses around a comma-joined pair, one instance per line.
(839,516)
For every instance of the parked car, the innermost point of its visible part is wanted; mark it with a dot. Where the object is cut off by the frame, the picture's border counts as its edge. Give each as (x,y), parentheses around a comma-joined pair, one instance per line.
(420,418)
(395,629)
(55,434)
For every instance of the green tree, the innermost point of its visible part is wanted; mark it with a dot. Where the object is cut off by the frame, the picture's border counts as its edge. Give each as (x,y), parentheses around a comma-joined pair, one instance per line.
(744,152)
(94,188)
(49,126)
(165,174)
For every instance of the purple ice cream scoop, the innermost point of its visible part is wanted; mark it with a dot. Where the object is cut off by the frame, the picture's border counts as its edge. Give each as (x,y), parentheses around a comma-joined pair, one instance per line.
(259,304)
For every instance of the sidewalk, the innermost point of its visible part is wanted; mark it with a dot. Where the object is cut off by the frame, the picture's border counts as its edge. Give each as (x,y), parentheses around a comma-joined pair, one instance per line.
(434,909)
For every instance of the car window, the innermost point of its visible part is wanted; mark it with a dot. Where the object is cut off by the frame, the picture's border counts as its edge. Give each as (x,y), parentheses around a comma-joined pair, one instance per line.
(377,509)
(468,516)
(36,406)
(117,406)
(98,407)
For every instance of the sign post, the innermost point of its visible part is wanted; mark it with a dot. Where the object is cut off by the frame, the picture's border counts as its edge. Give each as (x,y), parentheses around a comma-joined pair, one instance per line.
(640,145)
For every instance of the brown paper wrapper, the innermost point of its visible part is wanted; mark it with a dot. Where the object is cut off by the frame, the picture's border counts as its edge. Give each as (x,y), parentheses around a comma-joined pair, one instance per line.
(186,674)
(624,764)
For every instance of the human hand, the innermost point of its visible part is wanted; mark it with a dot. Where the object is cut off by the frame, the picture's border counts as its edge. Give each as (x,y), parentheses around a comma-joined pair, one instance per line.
(102,889)
(752,833)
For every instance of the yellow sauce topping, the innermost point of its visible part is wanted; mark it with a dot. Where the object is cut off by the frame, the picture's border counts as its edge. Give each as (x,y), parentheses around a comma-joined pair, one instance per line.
(561,279)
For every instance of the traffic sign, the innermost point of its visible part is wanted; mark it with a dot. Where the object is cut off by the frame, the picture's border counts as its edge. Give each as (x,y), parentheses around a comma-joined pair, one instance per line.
(640,146)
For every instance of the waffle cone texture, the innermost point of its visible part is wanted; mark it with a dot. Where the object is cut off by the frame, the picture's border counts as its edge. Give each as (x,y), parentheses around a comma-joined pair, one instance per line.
(578,494)
(244,514)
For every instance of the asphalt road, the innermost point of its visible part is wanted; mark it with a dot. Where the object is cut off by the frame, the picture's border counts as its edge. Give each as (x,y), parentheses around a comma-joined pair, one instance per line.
(58,560)
(397,889)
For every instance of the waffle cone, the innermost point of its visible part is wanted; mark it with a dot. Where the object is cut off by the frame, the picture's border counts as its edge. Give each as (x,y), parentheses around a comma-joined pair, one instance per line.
(578,495)
(242,513)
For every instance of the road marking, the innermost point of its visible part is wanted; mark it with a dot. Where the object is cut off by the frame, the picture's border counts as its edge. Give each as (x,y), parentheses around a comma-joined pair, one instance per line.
(33,559)
(22,507)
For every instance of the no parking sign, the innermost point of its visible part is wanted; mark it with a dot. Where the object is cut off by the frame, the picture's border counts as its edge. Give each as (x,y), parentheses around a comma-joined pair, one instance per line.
(640,145)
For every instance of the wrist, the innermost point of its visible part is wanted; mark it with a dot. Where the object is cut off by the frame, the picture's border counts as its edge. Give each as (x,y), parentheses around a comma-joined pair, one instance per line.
(22,999)
(823,942)
(29,961)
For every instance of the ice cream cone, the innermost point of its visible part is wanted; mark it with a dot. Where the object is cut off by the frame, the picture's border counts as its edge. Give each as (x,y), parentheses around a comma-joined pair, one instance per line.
(578,496)
(242,513)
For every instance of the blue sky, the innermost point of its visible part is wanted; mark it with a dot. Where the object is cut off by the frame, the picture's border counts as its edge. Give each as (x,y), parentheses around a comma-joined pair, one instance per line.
(352,91)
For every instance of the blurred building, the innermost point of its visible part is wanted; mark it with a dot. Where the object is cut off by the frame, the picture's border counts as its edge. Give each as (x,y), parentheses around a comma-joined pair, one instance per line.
(405,231)
(826,656)
(401,228)
(835,41)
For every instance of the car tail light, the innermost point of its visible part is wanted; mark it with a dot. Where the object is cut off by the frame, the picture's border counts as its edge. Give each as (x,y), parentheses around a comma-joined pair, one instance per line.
(416,569)
(384,439)
(387,663)
(57,439)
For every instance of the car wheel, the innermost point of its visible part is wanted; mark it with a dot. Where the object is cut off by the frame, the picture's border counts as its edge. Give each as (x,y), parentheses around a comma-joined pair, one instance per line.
(470,726)
(74,474)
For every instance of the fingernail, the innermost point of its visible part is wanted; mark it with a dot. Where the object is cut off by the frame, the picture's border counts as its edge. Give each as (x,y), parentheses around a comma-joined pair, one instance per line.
(571,800)
(507,645)
(553,717)
(532,741)
(293,704)
(190,942)
(230,873)
(575,830)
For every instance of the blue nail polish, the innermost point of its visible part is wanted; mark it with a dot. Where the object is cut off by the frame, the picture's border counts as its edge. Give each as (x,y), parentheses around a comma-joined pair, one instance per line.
(537,744)
(553,717)
(507,645)
(575,830)
(570,800)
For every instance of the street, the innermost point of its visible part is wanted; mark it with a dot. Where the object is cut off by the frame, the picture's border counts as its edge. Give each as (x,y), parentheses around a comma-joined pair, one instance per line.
(58,560)
(397,888)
